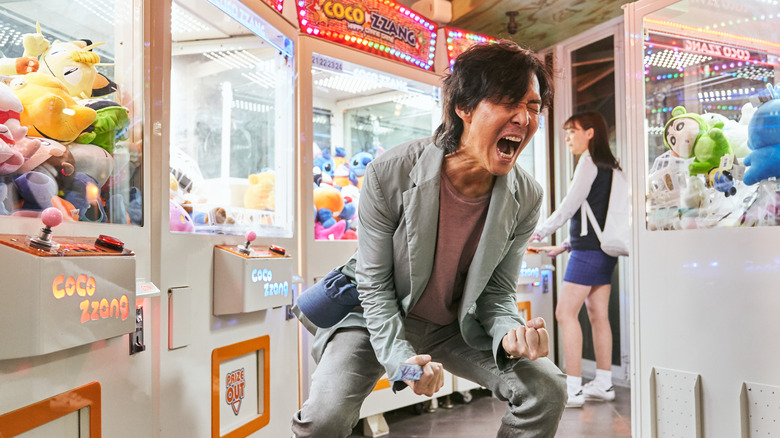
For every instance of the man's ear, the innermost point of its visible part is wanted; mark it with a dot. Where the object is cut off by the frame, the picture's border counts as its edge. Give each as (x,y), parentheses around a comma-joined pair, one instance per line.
(463,114)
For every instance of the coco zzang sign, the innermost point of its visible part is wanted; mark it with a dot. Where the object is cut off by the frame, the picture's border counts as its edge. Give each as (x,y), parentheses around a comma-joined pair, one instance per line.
(381,27)
(716,50)
(85,288)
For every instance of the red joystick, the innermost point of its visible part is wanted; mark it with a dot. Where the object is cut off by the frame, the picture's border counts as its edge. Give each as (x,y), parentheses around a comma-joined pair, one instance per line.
(51,217)
(250,237)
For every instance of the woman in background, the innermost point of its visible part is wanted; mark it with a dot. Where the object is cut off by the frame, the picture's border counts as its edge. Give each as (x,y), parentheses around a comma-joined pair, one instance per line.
(589,271)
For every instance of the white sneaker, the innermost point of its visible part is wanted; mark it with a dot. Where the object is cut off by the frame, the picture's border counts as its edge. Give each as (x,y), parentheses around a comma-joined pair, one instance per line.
(593,392)
(576,400)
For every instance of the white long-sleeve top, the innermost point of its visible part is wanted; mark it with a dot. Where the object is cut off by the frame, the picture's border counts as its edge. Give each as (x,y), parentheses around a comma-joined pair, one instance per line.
(579,188)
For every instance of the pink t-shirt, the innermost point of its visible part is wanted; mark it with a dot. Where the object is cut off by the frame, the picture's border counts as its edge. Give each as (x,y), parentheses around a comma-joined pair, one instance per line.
(461,220)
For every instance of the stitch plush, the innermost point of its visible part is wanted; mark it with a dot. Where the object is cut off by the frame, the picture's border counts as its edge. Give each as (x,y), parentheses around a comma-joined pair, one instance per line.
(688,135)
(764,140)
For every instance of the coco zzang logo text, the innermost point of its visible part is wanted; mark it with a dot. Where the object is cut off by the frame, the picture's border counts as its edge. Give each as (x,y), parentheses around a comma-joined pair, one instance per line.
(92,308)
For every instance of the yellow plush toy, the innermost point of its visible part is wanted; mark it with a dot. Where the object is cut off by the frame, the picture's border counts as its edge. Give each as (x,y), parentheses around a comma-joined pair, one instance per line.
(72,62)
(260,193)
(49,110)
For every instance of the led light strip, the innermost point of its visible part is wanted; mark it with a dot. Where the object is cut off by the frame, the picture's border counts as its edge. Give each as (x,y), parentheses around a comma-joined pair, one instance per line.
(712,32)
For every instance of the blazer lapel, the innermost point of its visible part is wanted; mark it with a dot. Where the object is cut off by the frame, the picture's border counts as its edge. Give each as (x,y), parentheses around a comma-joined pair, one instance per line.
(498,229)
(421,212)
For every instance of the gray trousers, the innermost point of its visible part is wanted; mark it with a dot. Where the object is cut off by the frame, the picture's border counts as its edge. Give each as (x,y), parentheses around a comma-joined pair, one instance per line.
(535,391)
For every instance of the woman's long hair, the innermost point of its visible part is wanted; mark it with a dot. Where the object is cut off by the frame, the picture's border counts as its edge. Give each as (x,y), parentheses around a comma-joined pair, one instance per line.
(598,146)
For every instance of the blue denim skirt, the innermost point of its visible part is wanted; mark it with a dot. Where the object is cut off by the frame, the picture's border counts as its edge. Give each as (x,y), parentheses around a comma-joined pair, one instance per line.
(590,268)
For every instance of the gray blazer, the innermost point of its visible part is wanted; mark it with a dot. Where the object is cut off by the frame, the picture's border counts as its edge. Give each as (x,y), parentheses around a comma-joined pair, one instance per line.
(399,210)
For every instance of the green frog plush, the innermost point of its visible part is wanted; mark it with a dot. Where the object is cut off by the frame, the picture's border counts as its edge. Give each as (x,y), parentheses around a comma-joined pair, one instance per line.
(689,135)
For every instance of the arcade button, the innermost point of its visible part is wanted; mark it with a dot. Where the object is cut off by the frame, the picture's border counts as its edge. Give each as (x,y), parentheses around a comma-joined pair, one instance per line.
(110,242)
(277,249)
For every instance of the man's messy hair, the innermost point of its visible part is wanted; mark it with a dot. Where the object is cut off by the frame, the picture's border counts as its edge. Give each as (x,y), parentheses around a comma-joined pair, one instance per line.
(497,72)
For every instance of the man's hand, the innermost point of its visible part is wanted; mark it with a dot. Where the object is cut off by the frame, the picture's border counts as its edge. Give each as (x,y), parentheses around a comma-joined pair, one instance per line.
(432,378)
(531,340)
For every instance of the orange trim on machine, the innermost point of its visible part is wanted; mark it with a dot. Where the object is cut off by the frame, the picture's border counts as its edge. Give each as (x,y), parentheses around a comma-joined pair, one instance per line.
(381,384)
(219,355)
(37,414)
(525,305)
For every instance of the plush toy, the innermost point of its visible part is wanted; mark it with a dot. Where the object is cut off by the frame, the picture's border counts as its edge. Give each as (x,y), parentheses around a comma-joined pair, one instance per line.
(328,204)
(92,160)
(325,163)
(18,66)
(328,197)
(339,157)
(764,140)
(15,140)
(71,62)
(358,164)
(333,232)
(180,221)
(84,194)
(343,176)
(110,124)
(36,189)
(10,158)
(736,133)
(10,112)
(688,135)
(49,111)
(260,195)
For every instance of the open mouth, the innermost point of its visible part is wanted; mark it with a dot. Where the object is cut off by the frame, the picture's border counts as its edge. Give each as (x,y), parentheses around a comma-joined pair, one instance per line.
(507,146)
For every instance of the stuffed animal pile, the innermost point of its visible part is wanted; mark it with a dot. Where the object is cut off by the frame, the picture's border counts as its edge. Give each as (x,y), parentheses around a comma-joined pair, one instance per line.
(337,183)
(59,128)
(705,179)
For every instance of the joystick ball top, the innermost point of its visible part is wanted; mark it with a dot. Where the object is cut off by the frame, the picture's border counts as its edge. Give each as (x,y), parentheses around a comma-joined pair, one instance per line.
(51,217)
(250,236)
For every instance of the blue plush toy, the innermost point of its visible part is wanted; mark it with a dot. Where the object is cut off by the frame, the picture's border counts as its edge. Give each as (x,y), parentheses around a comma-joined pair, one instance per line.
(358,165)
(764,140)
(325,163)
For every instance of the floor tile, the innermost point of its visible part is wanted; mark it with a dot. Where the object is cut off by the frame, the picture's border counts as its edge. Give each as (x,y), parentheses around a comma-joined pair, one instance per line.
(482,416)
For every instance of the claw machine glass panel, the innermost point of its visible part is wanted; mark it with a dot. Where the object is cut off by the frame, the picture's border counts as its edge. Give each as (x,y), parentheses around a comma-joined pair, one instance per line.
(72,109)
(711,111)
(703,82)
(359,113)
(71,118)
(231,123)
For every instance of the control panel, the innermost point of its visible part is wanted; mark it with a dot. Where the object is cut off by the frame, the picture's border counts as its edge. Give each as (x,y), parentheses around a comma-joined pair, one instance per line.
(248,279)
(65,292)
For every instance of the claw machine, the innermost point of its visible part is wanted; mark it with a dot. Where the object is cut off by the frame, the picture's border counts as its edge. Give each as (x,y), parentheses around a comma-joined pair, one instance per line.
(703,119)
(75,243)
(226,174)
(368,82)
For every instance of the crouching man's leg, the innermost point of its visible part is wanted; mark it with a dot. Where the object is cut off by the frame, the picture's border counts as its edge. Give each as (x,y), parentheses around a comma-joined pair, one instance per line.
(535,390)
(536,394)
(344,377)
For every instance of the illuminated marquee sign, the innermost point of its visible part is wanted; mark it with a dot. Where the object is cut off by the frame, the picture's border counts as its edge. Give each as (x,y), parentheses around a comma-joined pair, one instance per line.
(717,50)
(381,27)
(234,389)
(92,308)
(459,40)
(276,4)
